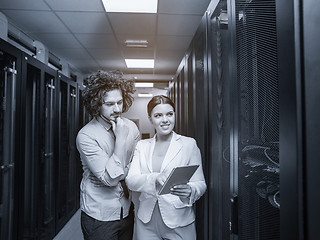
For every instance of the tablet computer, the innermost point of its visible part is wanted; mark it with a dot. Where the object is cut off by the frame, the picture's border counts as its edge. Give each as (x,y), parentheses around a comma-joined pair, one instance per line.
(178,175)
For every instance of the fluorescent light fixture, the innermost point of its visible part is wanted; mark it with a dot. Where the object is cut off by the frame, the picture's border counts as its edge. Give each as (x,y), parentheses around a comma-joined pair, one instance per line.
(136,6)
(145,95)
(136,43)
(140,63)
(143,84)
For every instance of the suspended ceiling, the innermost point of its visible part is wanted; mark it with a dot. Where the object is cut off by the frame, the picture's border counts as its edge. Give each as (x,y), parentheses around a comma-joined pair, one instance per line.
(84,35)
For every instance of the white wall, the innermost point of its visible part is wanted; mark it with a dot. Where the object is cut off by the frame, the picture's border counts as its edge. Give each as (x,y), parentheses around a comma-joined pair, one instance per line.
(138,111)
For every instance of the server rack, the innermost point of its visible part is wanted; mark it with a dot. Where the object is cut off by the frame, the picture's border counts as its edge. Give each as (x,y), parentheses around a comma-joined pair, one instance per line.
(9,139)
(182,103)
(69,163)
(190,92)
(178,104)
(191,81)
(84,116)
(200,116)
(254,97)
(310,60)
(219,114)
(35,204)
(257,120)
(38,167)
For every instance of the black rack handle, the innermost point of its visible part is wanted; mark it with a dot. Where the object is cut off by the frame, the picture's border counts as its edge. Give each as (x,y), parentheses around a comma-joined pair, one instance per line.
(234,215)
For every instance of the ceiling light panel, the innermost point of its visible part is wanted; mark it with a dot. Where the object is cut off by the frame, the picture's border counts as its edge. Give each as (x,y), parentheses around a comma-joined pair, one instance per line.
(135,6)
(139,63)
(145,95)
(143,84)
(136,43)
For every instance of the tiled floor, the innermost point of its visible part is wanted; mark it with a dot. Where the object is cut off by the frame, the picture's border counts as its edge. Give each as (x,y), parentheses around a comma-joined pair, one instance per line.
(72,230)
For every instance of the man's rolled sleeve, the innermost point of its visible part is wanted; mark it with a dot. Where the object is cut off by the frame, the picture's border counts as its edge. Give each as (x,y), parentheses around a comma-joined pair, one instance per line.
(114,167)
(106,169)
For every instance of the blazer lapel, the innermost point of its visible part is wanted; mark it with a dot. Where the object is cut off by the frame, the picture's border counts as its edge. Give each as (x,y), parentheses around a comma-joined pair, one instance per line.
(149,154)
(174,148)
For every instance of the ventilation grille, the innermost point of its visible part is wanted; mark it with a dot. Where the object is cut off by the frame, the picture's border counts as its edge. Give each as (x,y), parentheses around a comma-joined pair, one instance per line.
(257,68)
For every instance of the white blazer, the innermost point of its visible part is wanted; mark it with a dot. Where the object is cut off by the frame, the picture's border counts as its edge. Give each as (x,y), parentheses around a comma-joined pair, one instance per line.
(182,151)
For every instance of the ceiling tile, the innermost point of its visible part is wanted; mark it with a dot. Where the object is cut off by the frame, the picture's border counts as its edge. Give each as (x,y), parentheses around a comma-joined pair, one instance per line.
(147,77)
(168,60)
(181,25)
(197,7)
(154,91)
(59,40)
(97,40)
(175,55)
(89,62)
(166,67)
(36,21)
(112,64)
(169,70)
(86,66)
(76,5)
(173,42)
(105,54)
(23,5)
(86,22)
(129,23)
(80,32)
(72,54)
(134,53)
(122,37)
(126,70)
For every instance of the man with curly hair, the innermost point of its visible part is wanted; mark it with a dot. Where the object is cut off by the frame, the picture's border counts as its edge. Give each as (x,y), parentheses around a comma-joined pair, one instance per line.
(106,146)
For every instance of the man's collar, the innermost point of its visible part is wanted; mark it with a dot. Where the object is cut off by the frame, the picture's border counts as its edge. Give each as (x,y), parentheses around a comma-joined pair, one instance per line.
(104,123)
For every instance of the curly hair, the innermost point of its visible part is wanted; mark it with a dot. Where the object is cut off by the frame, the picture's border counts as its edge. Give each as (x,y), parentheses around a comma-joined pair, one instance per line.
(99,83)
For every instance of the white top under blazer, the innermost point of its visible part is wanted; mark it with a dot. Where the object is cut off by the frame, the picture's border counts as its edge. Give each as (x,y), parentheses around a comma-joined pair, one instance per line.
(182,151)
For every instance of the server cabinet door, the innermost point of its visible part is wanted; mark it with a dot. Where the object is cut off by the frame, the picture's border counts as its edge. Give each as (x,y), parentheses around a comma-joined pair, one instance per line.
(200,88)
(191,95)
(178,105)
(7,146)
(32,145)
(200,118)
(38,190)
(83,115)
(183,103)
(73,187)
(68,186)
(220,129)
(48,166)
(63,167)
(257,119)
